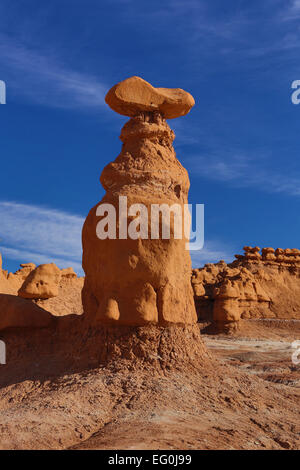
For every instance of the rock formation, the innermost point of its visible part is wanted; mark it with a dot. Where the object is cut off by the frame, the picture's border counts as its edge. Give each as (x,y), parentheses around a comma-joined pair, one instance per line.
(226,309)
(19,313)
(11,282)
(26,269)
(267,254)
(267,286)
(55,291)
(252,253)
(288,256)
(140,281)
(41,283)
(135,95)
(68,273)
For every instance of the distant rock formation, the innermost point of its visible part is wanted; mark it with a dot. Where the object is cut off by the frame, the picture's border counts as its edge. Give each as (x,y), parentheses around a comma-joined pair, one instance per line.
(45,290)
(141,281)
(41,283)
(285,257)
(226,308)
(68,273)
(26,269)
(255,285)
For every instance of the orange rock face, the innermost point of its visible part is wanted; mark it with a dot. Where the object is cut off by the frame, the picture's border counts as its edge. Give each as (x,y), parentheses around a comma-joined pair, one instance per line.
(135,95)
(226,308)
(267,286)
(41,283)
(140,281)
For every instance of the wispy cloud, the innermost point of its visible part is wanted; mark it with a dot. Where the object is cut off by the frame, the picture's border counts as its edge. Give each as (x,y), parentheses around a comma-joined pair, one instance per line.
(241,171)
(42,78)
(30,233)
(292,10)
(212,252)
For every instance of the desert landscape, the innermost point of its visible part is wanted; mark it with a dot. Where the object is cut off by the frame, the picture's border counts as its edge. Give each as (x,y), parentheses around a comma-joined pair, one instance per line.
(143,351)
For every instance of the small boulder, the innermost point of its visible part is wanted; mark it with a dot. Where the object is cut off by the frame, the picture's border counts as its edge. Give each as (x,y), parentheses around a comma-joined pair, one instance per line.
(42,283)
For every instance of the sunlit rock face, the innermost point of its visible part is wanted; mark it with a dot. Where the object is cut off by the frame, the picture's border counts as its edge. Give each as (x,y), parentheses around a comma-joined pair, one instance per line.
(135,280)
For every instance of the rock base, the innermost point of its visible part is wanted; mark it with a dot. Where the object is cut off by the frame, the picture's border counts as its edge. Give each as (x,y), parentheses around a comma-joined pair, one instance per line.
(72,345)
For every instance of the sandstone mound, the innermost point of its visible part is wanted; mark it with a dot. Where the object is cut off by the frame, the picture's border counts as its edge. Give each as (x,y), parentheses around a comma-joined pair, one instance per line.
(226,309)
(66,296)
(266,285)
(10,283)
(41,283)
(68,301)
(134,95)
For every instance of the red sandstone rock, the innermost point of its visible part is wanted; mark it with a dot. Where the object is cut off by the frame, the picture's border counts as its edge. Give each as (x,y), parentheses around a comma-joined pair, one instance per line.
(268,254)
(226,309)
(268,287)
(68,273)
(252,253)
(140,281)
(42,282)
(134,95)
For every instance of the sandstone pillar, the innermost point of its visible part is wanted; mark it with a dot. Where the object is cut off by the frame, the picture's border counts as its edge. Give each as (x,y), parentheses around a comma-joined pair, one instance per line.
(141,281)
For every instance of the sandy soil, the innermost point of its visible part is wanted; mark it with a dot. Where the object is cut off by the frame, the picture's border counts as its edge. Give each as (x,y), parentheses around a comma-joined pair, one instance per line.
(255,405)
(162,391)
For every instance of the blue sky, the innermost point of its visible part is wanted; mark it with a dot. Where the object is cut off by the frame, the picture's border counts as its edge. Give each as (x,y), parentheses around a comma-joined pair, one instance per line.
(240,143)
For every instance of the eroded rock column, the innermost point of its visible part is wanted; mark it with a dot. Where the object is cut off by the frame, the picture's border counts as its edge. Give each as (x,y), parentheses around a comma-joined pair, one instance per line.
(141,281)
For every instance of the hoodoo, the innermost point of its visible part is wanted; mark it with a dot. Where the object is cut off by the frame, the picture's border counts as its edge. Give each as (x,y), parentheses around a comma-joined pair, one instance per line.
(138,281)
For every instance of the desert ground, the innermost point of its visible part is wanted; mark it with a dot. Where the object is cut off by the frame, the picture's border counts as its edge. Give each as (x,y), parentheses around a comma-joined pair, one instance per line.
(185,391)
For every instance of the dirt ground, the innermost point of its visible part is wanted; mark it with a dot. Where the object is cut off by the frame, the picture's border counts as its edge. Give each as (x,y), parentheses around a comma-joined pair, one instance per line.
(254,406)
(243,392)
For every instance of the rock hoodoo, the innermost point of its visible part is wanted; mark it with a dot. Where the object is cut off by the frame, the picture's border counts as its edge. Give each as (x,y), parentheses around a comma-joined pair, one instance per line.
(262,285)
(141,281)
(226,308)
(41,283)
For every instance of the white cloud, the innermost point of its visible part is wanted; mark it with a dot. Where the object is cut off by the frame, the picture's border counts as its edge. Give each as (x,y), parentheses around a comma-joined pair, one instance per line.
(40,235)
(293,10)
(38,258)
(30,233)
(212,252)
(241,171)
(42,79)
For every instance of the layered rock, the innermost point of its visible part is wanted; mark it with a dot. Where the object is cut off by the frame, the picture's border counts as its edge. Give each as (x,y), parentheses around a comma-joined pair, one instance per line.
(267,285)
(140,281)
(251,253)
(288,256)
